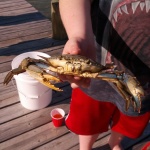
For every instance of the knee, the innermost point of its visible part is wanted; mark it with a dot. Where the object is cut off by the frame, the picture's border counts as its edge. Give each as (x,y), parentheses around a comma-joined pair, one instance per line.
(115,141)
(115,145)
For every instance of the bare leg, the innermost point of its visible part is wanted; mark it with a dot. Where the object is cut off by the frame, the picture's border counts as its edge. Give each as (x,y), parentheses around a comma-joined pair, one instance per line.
(87,141)
(115,140)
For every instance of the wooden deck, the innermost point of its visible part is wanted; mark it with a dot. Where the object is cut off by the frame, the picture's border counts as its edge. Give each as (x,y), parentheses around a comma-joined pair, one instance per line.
(23,29)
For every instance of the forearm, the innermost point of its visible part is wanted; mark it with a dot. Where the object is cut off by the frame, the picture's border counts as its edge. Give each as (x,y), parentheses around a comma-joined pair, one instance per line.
(76,18)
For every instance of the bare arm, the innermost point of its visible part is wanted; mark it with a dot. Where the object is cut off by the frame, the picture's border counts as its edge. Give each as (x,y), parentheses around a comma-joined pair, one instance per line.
(75,15)
(76,18)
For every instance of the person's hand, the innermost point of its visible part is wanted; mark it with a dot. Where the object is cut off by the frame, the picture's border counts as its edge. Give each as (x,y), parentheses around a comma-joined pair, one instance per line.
(83,47)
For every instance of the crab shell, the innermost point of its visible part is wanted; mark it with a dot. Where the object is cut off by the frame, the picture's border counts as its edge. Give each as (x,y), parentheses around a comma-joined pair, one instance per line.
(81,66)
(75,65)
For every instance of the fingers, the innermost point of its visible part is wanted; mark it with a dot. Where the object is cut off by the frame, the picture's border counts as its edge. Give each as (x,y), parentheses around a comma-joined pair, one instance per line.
(78,46)
(71,47)
(82,82)
(74,85)
(76,81)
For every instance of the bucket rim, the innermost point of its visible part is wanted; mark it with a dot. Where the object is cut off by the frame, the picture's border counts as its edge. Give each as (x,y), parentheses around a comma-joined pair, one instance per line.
(25,76)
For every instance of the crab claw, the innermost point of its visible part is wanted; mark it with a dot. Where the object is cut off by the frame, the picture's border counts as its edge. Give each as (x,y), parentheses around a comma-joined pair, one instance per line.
(45,58)
(22,68)
(49,60)
(43,77)
(135,89)
(8,78)
(12,73)
(31,67)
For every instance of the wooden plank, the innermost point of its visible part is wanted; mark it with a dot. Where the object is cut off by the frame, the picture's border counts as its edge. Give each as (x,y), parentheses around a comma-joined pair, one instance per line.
(26,33)
(25,26)
(46,44)
(27,47)
(4,3)
(43,45)
(11,87)
(14,13)
(15,7)
(140,145)
(18,110)
(58,30)
(129,143)
(12,99)
(22,34)
(11,6)
(7,89)
(29,121)
(12,112)
(21,128)
(5,67)
(12,95)
(12,3)
(35,137)
(64,142)
(25,39)
(100,144)
(25,16)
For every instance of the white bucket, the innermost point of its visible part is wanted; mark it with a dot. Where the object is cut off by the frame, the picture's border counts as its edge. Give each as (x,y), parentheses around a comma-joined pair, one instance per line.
(33,95)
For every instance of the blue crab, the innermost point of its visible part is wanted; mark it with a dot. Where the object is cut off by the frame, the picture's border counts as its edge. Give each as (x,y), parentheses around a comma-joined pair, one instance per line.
(81,66)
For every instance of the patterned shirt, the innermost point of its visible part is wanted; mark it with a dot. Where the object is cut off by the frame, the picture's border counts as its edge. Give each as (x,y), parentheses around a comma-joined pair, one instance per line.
(122,31)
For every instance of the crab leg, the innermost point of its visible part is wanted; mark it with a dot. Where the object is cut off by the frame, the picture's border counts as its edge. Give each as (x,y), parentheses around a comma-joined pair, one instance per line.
(117,81)
(81,66)
(128,87)
(12,73)
(43,77)
(30,66)
(135,89)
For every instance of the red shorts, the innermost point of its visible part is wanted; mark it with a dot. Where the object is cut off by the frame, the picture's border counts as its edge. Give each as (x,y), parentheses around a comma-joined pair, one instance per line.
(88,116)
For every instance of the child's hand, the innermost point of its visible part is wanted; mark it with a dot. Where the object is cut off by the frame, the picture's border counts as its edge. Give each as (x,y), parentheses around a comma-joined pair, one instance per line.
(79,46)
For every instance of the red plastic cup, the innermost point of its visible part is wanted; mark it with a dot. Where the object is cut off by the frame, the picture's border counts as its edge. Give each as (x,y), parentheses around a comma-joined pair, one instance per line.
(57,115)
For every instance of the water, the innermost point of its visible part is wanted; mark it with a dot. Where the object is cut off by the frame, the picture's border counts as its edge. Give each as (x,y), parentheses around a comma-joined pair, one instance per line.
(43,6)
